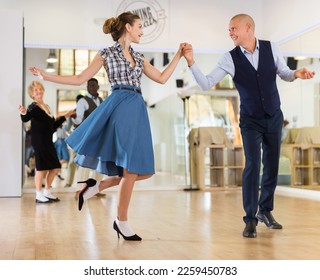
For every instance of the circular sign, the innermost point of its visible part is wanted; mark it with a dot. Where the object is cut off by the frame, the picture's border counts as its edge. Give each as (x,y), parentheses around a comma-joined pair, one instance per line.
(151,14)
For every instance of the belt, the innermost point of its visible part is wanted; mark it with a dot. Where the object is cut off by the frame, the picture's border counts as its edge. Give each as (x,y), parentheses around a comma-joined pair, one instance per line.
(126,88)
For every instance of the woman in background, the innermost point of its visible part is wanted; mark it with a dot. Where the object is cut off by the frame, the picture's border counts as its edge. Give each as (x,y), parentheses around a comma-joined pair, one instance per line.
(43,125)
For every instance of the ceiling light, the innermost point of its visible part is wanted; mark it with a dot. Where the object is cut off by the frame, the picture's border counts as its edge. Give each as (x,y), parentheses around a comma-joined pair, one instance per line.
(299,57)
(52,58)
(50,68)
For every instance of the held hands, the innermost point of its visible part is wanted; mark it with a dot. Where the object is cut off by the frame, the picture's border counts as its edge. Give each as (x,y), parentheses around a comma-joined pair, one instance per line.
(37,72)
(70,113)
(181,47)
(188,54)
(22,110)
(304,74)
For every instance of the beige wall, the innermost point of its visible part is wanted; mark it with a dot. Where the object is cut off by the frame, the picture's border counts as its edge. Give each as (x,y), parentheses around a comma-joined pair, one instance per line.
(204,22)
(72,23)
(11,88)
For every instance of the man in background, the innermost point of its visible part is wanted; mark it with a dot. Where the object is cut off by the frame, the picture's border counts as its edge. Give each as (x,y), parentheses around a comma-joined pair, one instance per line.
(85,106)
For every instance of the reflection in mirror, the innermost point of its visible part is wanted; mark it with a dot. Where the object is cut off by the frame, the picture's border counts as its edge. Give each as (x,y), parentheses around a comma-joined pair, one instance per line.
(74,61)
(207,114)
(219,107)
(216,111)
(66,99)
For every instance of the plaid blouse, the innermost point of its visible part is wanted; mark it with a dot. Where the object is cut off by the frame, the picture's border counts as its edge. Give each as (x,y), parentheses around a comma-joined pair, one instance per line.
(118,68)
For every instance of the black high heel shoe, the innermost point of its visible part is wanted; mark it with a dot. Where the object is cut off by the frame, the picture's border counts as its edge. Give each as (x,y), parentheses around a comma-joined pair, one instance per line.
(89,183)
(130,238)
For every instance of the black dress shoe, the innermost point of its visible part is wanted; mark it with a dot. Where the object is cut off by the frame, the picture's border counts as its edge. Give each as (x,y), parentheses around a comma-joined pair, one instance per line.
(134,237)
(269,220)
(60,177)
(250,229)
(89,183)
(41,201)
(53,199)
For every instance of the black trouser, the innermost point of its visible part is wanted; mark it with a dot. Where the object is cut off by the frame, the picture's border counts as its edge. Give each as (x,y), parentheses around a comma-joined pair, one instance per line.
(260,133)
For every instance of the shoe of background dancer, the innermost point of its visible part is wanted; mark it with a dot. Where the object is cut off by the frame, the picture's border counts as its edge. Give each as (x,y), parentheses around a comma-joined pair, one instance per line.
(40,198)
(100,194)
(50,196)
(60,177)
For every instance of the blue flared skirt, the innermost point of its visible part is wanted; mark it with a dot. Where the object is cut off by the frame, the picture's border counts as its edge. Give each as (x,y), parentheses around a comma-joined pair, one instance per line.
(116,136)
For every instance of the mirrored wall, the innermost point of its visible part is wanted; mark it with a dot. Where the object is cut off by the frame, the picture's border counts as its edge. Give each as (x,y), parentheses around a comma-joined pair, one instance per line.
(173,117)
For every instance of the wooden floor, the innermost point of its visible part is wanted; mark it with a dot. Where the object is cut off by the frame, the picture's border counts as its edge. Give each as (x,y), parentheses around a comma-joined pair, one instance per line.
(174,224)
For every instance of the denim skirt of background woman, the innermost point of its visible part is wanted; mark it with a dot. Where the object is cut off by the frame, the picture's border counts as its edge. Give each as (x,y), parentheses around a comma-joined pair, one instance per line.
(115,136)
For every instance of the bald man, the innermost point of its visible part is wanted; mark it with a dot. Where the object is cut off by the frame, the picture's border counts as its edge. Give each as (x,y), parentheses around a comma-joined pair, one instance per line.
(254,65)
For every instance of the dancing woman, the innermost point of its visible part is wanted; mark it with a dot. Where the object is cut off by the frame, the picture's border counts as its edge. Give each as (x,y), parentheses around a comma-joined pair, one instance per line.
(116,139)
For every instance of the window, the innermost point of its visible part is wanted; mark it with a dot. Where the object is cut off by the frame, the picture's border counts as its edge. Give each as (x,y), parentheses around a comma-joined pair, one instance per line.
(73,62)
